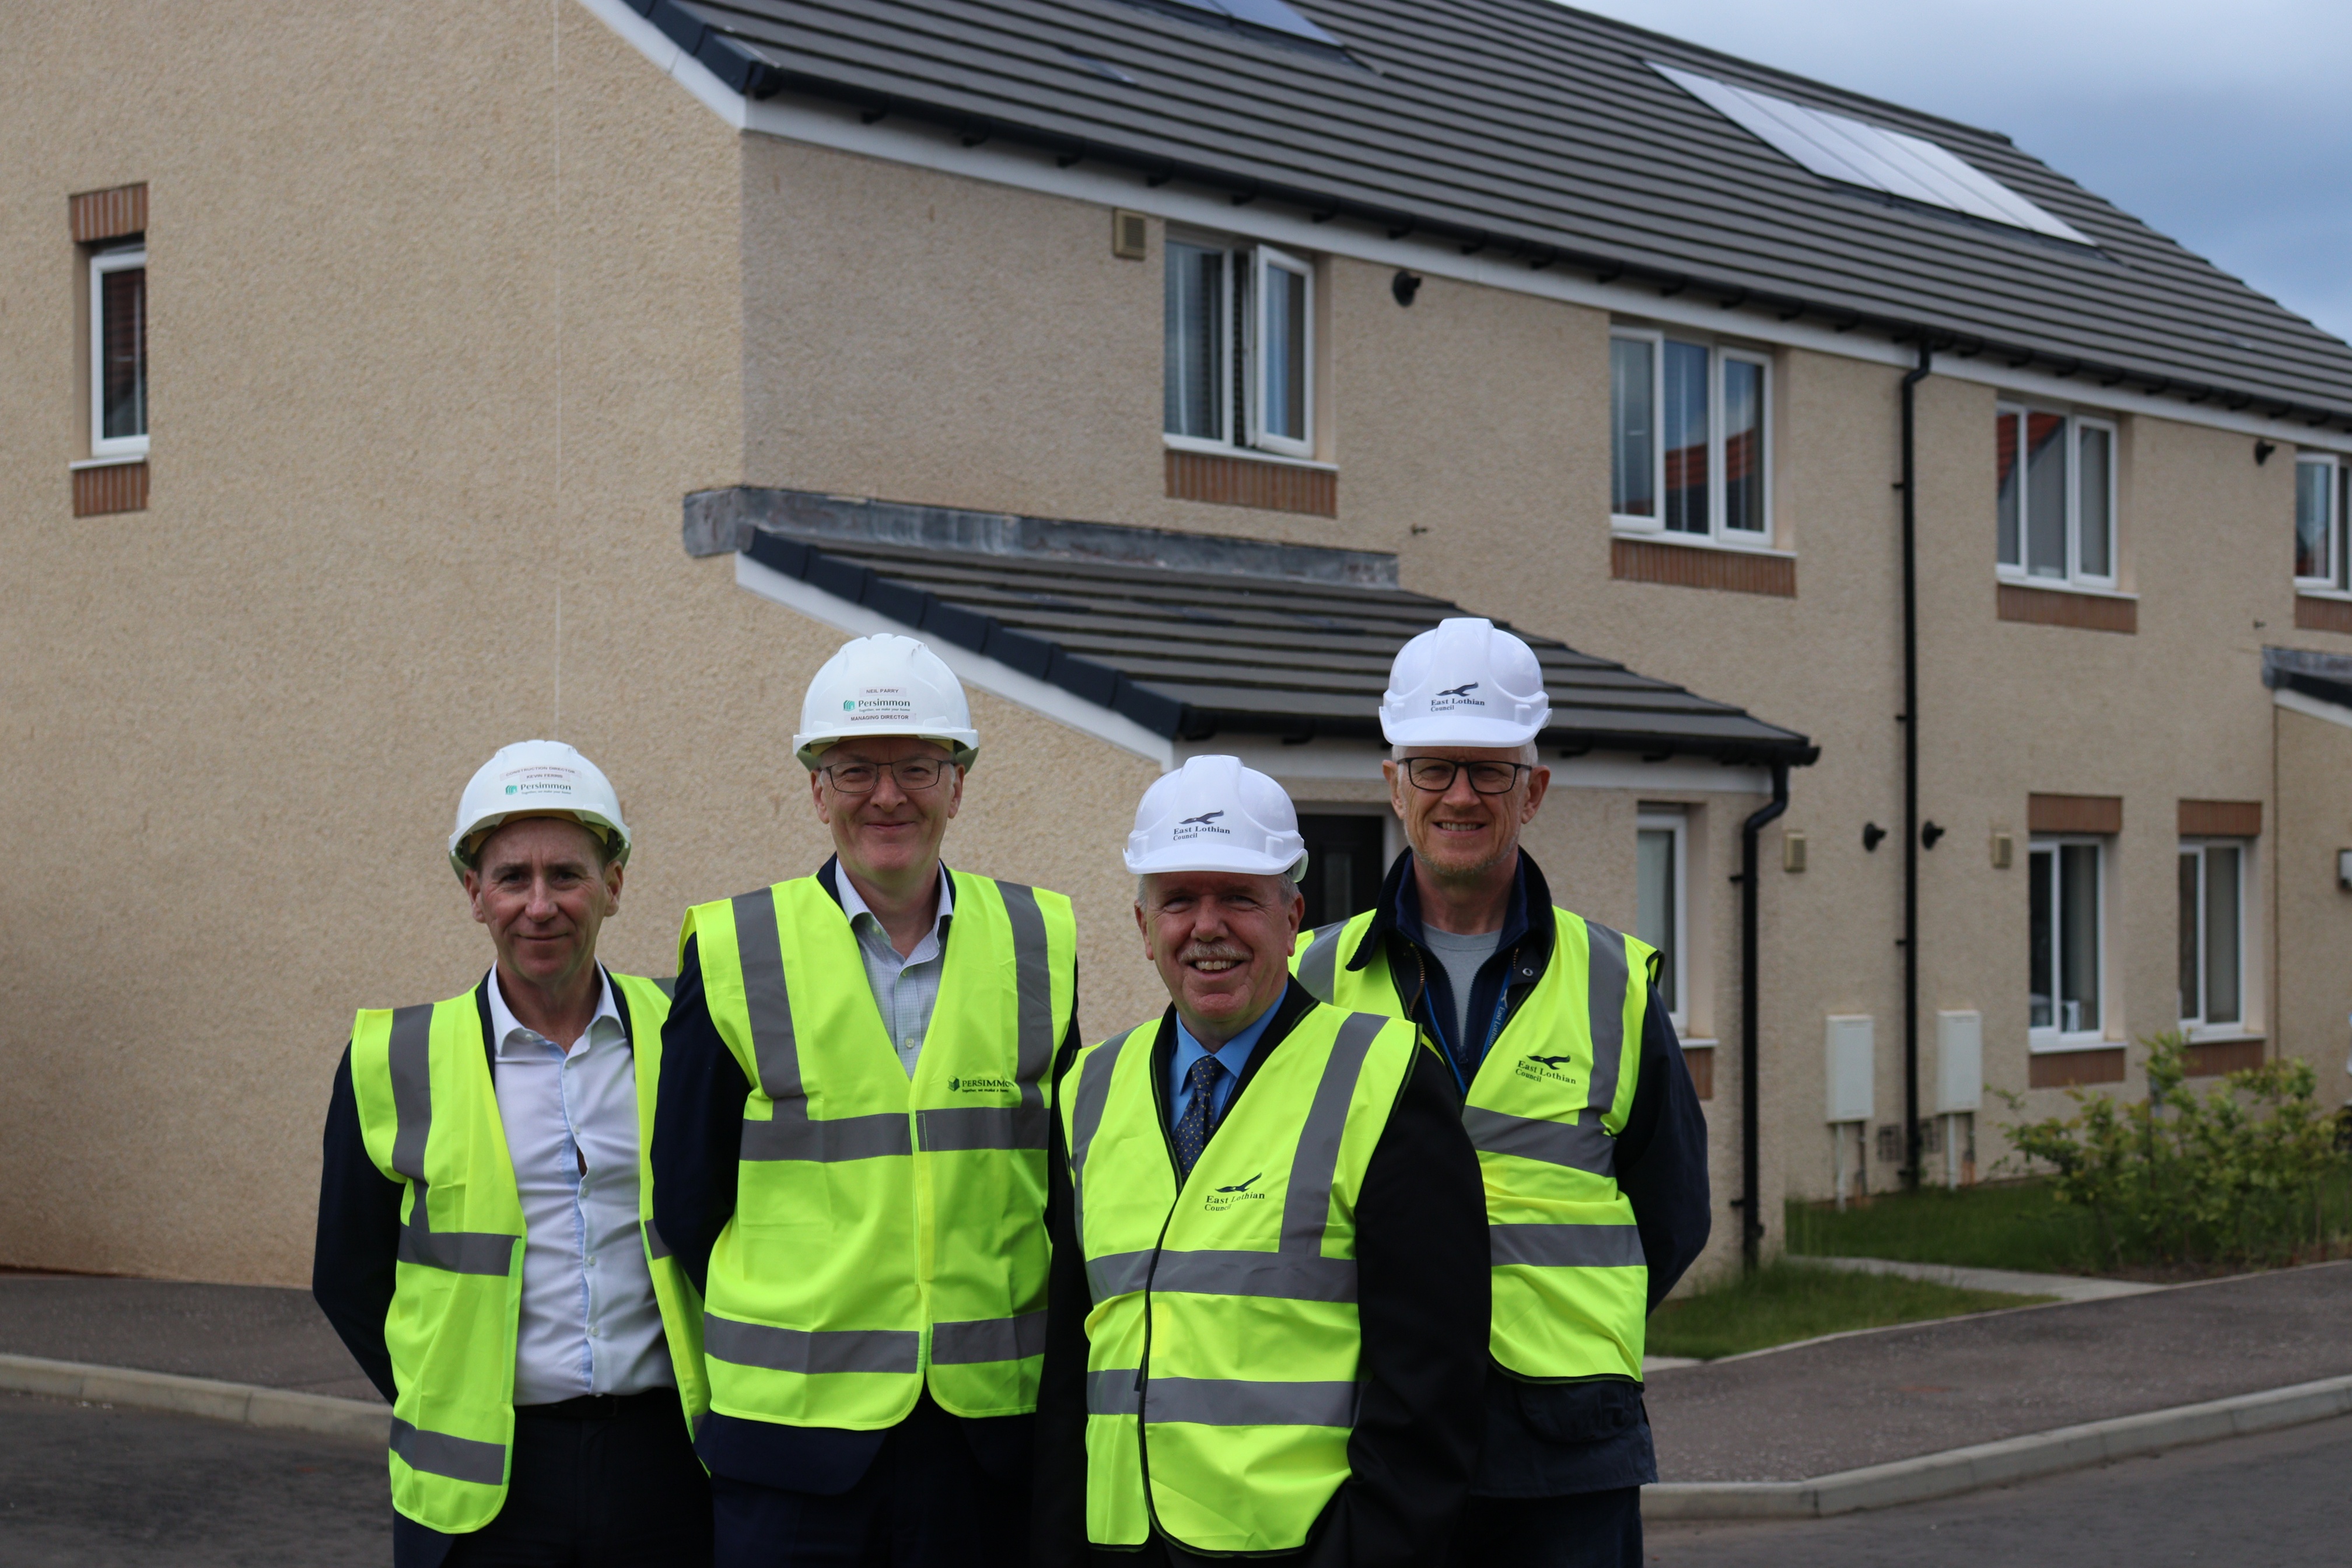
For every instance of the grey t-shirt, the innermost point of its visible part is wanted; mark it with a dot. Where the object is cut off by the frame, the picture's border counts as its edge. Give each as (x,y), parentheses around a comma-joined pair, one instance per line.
(1461,955)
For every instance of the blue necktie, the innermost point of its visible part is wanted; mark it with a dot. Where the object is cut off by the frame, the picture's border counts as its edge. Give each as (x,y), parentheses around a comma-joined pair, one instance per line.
(1192,1127)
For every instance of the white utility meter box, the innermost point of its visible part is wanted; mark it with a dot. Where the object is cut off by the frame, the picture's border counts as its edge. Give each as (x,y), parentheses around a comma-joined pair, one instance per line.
(1959,1061)
(1852,1059)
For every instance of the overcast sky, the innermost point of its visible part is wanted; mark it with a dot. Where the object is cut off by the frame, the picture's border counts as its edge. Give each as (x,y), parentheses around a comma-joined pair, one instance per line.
(2226,124)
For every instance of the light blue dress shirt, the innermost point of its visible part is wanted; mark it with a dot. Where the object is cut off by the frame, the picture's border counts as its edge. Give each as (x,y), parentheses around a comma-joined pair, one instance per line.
(590,1322)
(1234,1054)
(906,990)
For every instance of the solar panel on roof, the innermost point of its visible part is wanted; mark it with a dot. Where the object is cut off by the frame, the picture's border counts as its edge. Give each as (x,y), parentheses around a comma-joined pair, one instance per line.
(1271,15)
(1856,153)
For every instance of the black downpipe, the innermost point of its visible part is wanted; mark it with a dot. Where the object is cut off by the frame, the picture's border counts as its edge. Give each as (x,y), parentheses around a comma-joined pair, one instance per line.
(1751,1220)
(1910,721)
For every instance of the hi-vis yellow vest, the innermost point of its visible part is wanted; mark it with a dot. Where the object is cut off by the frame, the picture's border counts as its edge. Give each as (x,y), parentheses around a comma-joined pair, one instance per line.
(888,1234)
(429,1111)
(1222,1349)
(1570,1289)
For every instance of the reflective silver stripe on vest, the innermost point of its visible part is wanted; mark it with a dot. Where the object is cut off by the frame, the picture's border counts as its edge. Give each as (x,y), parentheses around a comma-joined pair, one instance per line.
(1566,1246)
(791,1134)
(1112,1392)
(812,1351)
(1119,1273)
(1307,1208)
(1245,1401)
(1033,984)
(655,1246)
(1584,1145)
(988,1339)
(1604,990)
(439,1454)
(409,1054)
(1278,1275)
(1086,1121)
(1319,970)
(1022,1126)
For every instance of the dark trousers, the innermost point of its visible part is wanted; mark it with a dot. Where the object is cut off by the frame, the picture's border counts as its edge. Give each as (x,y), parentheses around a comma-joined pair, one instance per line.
(927,1501)
(601,1483)
(1584,1530)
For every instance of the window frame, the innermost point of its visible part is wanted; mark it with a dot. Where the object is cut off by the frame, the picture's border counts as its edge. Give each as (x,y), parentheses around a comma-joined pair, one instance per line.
(2199,1027)
(1648,819)
(2333,582)
(1266,260)
(1242,377)
(1719,533)
(2018,570)
(122,258)
(2054,1037)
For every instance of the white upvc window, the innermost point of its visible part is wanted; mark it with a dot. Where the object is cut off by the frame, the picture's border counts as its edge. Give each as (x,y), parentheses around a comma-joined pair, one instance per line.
(2055,492)
(2066,891)
(2213,934)
(2319,522)
(1662,902)
(118,352)
(1239,365)
(1689,448)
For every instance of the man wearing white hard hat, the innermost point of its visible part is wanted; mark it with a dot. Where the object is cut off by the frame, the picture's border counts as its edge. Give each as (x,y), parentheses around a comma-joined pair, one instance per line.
(1269,1249)
(849,1157)
(1569,1081)
(483,1214)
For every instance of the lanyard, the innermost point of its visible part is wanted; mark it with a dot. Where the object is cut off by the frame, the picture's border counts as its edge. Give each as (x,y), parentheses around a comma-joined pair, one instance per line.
(1437,1025)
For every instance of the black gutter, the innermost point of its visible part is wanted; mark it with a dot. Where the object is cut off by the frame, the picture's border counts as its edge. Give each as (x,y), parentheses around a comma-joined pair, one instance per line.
(743,71)
(1910,721)
(1751,1220)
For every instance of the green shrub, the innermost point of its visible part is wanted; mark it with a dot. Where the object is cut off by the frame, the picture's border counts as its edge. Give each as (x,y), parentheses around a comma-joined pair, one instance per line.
(2235,1174)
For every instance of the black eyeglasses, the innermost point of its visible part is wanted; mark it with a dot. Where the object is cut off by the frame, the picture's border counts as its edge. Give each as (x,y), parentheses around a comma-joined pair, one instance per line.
(1435,774)
(914,774)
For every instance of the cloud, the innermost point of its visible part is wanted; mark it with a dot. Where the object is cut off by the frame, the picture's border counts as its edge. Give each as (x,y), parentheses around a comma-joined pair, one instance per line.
(2223,126)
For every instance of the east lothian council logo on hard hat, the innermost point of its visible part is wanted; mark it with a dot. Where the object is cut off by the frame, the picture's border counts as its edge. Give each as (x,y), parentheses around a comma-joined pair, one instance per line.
(1193,827)
(1453,697)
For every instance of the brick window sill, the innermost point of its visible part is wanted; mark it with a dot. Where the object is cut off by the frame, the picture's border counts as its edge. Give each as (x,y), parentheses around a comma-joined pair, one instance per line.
(2065,1068)
(1265,483)
(1696,565)
(2036,606)
(105,486)
(2321,612)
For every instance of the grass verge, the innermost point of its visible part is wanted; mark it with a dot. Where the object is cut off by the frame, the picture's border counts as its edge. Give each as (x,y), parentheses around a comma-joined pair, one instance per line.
(2002,1224)
(1783,1302)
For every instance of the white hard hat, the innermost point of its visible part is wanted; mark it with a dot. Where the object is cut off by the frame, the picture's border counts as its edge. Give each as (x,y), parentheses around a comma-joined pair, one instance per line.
(1214,814)
(1465,683)
(885,685)
(538,778)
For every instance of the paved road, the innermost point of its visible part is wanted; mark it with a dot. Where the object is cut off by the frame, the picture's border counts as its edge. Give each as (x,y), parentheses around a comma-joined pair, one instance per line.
(1864,1399)
(91,1487)
(2279,1500)
(238,1333)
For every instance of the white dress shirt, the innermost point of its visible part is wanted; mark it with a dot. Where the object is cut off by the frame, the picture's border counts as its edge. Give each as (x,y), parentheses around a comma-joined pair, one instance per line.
(906,989)
(590,1322)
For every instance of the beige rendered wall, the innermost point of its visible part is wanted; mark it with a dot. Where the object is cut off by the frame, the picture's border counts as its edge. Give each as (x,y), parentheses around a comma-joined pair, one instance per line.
(237,722)
(2313,913)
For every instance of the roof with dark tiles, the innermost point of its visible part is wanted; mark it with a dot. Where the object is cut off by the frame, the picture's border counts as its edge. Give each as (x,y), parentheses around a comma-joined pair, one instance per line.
(1543,135)
(1193,637)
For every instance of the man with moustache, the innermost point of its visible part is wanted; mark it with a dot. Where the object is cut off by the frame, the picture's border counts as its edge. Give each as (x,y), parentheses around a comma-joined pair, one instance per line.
(1268,1306)
(1568,1078)
(482,1209)
(849,1155)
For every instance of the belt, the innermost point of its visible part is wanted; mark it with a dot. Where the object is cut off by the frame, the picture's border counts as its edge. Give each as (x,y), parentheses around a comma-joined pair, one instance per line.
(603,1406)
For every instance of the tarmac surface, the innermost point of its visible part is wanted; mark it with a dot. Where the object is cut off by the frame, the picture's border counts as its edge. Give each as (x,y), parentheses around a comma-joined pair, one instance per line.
(238,1333)
(2276,1499)
(1889,1394)
(93,1486)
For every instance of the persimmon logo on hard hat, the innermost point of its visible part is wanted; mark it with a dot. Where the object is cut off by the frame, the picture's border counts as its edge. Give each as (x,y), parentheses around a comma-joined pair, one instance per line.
(879,702)
(540,781)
